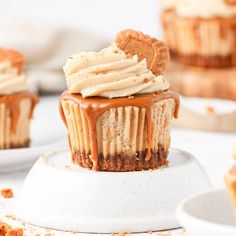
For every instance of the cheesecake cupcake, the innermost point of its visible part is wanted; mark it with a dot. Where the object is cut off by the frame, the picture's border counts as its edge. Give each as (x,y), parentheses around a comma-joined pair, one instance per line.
(16,104)
(201,34)
(117,108)
(230,180)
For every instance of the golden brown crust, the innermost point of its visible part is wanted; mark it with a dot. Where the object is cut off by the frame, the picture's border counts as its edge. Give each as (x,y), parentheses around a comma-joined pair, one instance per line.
(123,163)
(230,2)
(144,46)
(15,58)
(220,62)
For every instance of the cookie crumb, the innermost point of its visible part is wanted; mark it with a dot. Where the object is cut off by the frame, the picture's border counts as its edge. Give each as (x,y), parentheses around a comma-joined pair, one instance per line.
(210,109)
(7,193)
(120,234)
(10,217)
(4,227)
(7,230)
(15,232)
(164,234)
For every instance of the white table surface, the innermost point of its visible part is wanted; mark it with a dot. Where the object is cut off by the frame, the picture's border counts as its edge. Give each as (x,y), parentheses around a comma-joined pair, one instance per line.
(212,149)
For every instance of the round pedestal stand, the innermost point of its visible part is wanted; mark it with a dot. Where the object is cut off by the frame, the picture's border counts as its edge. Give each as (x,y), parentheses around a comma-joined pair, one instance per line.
(60,195)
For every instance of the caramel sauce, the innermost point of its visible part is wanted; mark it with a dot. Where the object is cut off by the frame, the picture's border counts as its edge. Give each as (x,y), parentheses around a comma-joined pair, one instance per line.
(94,107)
(12,103)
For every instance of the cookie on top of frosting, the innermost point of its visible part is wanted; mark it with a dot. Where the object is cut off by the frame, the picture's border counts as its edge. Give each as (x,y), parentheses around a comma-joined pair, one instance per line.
(133,64)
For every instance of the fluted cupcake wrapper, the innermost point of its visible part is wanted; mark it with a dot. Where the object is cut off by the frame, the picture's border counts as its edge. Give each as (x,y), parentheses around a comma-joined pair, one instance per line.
(201,42)
(11,137)
(121,136)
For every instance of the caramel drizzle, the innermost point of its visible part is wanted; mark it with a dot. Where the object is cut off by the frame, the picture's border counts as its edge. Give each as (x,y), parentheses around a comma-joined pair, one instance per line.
(12,102)
(94,107)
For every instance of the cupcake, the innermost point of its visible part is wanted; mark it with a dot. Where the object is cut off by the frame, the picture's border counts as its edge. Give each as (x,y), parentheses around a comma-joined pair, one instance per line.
(201,34)
(118,108)
(230,180)
(16,104)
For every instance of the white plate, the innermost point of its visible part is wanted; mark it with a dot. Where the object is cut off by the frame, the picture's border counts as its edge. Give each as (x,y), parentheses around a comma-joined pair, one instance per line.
(47,133)
(208,213)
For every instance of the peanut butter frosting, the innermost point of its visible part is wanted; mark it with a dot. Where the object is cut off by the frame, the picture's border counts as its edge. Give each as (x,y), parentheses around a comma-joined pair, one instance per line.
(111,73)
(208,9)
(10,81)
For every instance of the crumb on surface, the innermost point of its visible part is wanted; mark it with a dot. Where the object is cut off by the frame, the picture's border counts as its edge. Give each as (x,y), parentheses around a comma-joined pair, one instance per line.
(4,227)
(49,234)
(7,230)
(15,232)
(12,217)
(120,234)
(210,109)
(7,193)
(164,234)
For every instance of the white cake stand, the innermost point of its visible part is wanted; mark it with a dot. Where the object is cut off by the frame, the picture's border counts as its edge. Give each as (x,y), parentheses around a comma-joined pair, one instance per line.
(60,195)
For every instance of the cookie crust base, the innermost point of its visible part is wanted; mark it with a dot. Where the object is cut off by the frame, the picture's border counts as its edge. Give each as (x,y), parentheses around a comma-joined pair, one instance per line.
(122,163)
(204,61)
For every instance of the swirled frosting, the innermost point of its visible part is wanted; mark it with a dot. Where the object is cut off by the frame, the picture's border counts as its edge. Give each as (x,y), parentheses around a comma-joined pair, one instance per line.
(110,73)
(10,81)
(206,9)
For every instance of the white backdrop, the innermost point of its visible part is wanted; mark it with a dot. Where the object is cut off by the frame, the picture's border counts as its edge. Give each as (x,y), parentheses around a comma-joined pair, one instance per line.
(47,32)
(105,16)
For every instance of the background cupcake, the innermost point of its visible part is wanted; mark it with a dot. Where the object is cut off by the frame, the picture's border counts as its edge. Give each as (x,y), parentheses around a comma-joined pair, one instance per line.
(118,109)
(230,180)
(201,34)
(16,105)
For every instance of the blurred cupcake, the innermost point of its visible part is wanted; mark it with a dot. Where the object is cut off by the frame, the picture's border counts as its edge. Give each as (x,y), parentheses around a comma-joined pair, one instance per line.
(201,34)
(230,180)
(16,105)
(118,108)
